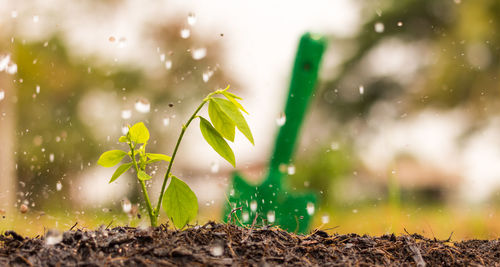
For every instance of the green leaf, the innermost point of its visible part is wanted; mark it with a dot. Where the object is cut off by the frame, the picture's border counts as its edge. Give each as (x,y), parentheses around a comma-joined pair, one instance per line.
(232,112)
(143,175)
(139,133)
(158,157)
(111,158)
(215,140)
(120,170)
(230,97)
(222,123)
(123,139)
(180,203)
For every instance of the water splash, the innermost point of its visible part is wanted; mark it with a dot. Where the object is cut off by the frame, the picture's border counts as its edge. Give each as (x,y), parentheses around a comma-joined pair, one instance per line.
(53,237)
(280,121)
(217,250)
(142,105)
(185,33)
(271,216)
(199,53)
(253,205)
(310,208)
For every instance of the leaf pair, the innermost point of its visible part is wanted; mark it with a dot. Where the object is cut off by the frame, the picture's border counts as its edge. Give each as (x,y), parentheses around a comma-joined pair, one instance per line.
(226,117)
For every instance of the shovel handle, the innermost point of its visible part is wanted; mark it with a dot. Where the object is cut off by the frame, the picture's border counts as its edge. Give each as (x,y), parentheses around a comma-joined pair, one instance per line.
(302,85)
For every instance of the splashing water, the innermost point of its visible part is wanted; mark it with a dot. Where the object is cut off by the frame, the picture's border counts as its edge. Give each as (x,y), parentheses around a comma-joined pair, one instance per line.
(310,208)
(53,237)
(58,186)
(207,75)
(199,53)
(185,33)
(126,114)
(126,206)
(379,27)
(142,105)
(217,250)
(253,205)
(191,19)
(214,167)
(280,121)
(271,216)
(168,64)
(325,219)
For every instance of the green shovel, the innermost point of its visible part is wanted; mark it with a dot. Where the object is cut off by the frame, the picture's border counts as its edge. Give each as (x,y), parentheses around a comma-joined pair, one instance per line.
(272,202)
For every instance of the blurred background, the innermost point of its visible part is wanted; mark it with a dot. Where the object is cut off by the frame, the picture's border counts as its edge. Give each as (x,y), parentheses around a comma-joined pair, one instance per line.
(403,132)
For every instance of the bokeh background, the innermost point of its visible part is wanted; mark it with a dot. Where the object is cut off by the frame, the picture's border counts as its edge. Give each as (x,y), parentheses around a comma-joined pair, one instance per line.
(403,133)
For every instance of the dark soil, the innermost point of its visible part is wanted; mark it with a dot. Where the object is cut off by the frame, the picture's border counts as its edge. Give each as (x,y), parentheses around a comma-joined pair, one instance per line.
(218,244)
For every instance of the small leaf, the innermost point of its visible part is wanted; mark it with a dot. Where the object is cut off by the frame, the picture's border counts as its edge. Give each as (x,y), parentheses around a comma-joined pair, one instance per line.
(232,95)
(139,133)
(231,98)
(158,157)
(120,170)
(123,139)
(215,140)
(232,112)
(143,175)
(111,158)
(222,123)
(180,203)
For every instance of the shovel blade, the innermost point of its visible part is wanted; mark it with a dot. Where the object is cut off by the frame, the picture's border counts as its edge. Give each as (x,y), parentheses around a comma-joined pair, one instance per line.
(268,204)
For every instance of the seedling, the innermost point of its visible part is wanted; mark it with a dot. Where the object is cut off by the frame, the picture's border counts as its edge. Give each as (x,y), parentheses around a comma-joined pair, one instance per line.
(178,200)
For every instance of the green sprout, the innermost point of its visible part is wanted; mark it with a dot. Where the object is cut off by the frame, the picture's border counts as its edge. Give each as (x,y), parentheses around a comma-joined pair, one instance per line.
(178,200)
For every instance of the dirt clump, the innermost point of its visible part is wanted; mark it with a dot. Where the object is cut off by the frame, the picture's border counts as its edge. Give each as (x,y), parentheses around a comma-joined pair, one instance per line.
(216,244)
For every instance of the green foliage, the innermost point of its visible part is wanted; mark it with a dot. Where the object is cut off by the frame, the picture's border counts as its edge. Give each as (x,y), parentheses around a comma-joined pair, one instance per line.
(178,200)
(180,203)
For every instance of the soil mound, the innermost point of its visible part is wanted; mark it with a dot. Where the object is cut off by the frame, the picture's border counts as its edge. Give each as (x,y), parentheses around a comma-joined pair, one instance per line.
(216,244)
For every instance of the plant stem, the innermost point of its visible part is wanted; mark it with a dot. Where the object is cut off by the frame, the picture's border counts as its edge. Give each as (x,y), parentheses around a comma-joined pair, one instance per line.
(151,213)
(167,174)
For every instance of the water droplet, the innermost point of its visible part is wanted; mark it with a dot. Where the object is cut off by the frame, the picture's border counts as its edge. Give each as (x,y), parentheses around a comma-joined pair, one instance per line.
(191,19)
(162,57)
(124,129)
(53,237)
(214,167)
(361,89)
(4,62)
(142,105)
(126,206)
(58,186)
(325,219)
(217,250)
(122,42)
(354,211)
(393,171)
(13,14)
(207,75)
(51,157)
(185,33)
(310,208)
(334,146)
(37,89)
(253,205)
(245,216)
(12,68)
(271,216)
(199,53)
(166,121)
(231,192)
(36,18)
(2,95)
(400,23)
(280,121)
(168,64)
(126,114)
(379,27)
(23,208)
(290,169)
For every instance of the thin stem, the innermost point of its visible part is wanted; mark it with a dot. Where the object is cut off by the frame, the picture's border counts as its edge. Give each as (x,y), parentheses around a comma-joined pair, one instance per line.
(151,212)
(167,174)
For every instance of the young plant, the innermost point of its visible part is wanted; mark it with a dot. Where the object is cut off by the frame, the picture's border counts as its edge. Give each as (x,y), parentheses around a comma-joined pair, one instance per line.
(178,200)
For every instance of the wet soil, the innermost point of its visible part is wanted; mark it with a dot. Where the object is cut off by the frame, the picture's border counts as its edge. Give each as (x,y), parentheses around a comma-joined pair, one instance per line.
(226,245)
